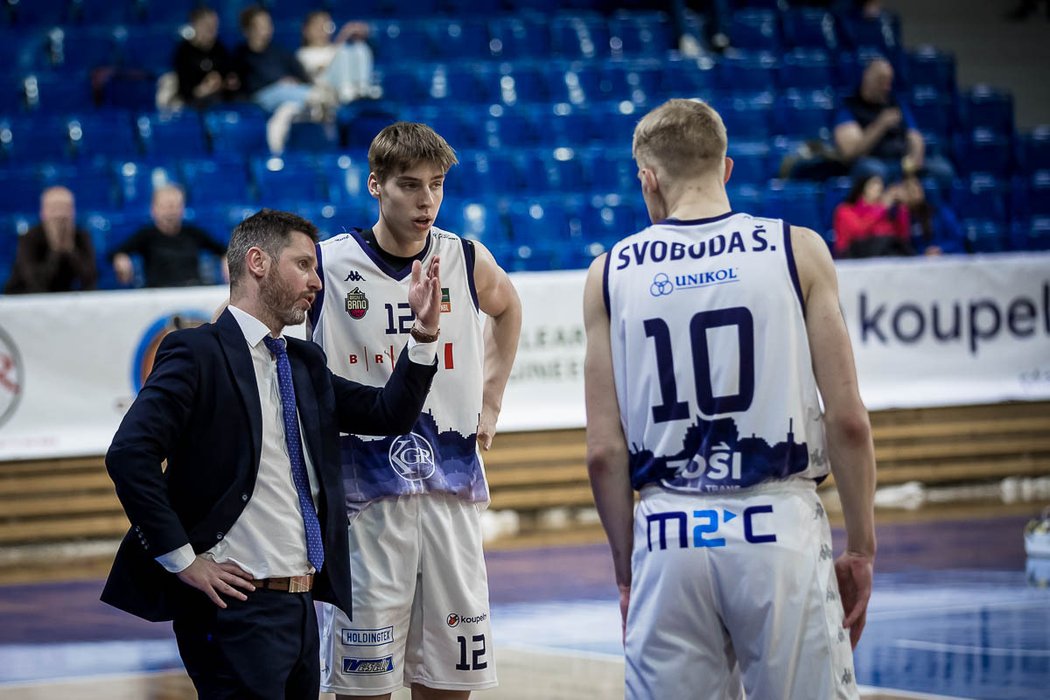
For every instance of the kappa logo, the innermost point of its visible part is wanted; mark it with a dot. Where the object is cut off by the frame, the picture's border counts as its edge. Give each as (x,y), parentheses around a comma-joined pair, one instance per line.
(356,303)
(412,457)
(354,276)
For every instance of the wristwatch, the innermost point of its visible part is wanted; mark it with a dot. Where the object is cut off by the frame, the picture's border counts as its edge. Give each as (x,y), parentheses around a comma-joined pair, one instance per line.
(422,337)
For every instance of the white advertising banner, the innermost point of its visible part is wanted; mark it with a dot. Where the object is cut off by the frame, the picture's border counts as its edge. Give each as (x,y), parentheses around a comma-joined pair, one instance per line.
(926,332)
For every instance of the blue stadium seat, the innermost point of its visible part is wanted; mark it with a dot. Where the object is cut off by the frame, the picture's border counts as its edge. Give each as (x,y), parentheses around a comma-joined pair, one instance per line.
(477,219)
(360,123)
(750,72)
(104,12)
(291,13)
(835,191)
(237,132)
(12,96)
(688,78)
(750,162)
(980,196)
(984,107)
(528,81)
(583,36)
(933,110)
(537,221)
(882,33)
(1032,196)
(606,220)
(20,188)
(798,203)
(983,151)
(39,13)
(576,83)
(512,127)
(400,42)
(136,180)
(1034,149)
(755,30)
(167,12)
(516,38)
(806,69)
(23,50)
(559,171)
(39,137)
(985,235)
(312,137)
(637,34)
(806,115)
(218,180)
(479,83)
(106,133)
(458,39)
(344,177)
(407,83)
(566,126)
(83,48)
(1030,234)
(744,197)
(612,170)
(51,92)
(810,28)
(286,179)
(149,48)
(634,81)
(93,185)
(457,125)
(616,123)
(499,172)
(172,134)
(747,117)
(931,67)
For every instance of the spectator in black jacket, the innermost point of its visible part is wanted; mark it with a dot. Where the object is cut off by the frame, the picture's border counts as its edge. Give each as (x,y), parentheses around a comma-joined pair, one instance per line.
(54,256)
(877,134)
(203,66)
(169,248)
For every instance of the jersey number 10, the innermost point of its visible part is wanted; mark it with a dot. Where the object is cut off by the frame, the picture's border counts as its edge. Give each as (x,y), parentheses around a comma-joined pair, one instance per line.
(670,407)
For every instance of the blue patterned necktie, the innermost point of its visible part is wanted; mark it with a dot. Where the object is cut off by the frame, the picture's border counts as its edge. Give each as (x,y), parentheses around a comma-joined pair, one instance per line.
(314,546)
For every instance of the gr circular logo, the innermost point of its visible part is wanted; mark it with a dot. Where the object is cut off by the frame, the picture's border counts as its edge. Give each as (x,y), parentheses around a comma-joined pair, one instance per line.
(412,457)
(12,377)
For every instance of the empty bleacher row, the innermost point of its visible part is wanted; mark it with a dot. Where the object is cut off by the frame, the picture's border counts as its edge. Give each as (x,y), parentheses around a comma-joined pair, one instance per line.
(538,101)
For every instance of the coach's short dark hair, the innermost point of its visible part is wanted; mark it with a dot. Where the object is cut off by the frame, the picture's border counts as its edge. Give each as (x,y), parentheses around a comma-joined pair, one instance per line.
(269,230)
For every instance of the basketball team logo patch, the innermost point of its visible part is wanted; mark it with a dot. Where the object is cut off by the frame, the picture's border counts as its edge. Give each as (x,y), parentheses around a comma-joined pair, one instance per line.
(412,457)
(446,301)
(356,303)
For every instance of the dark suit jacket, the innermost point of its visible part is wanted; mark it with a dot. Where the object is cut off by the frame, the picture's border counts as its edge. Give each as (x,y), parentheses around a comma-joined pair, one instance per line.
(200,411)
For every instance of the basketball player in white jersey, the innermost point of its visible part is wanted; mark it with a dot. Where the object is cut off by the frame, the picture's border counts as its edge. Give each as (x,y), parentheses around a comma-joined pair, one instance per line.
(420,591)
(710,335)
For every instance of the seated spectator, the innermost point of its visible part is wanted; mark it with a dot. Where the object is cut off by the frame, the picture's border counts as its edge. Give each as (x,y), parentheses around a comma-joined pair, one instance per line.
(203,66)
(54,256)
(342,64)
(872,221)
(272,77)
(169,248)
(877,135)
(934,227)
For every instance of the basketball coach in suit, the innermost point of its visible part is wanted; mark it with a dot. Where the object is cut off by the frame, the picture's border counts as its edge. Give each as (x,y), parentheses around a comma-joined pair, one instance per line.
(246,526)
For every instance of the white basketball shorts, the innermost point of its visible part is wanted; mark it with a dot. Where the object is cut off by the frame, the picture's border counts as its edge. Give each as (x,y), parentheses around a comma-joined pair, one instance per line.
(737,577)
(420,601)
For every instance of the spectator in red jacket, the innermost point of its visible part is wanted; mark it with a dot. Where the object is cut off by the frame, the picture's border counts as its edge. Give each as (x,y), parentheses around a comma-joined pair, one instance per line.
(872,221)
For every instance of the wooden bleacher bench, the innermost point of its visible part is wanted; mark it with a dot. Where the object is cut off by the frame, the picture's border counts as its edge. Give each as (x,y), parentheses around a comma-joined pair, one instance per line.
(73,499)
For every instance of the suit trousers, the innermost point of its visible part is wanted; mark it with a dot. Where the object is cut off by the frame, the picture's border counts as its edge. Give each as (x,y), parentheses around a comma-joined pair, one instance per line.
(264,648)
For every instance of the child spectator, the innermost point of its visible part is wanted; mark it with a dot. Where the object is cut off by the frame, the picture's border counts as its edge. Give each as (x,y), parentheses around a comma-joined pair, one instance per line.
(872,221)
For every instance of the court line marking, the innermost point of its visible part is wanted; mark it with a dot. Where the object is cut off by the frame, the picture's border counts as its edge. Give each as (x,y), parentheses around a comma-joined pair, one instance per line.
(969,648)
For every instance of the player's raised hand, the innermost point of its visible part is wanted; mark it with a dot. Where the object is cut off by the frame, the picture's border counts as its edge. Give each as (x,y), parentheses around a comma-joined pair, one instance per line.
(215,580)
(854,574)
(424,295)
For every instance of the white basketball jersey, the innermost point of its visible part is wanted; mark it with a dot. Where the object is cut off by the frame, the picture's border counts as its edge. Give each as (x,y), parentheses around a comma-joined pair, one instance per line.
(710,355)
(363,322)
